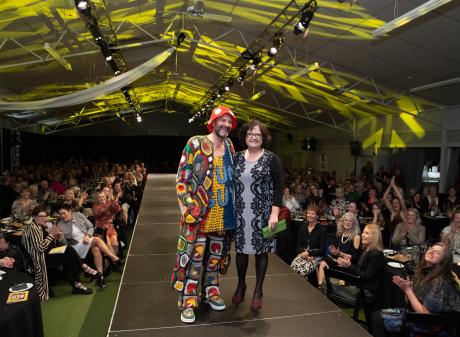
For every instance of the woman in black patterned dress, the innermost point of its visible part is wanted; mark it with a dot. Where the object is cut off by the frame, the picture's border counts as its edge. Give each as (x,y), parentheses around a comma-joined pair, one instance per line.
(259,180)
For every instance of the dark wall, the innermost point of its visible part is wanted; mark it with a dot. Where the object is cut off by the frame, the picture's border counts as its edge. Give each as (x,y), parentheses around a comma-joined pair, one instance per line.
(159,153)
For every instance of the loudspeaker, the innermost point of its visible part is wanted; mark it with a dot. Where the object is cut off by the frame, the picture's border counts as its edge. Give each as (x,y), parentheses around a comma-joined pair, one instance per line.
(355,148)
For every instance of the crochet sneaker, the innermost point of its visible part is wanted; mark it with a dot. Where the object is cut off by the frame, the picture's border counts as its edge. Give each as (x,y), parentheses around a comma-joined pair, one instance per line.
(187,316)
(216,303)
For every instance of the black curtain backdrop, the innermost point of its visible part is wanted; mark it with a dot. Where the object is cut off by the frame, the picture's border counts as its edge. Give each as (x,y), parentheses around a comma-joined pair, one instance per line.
(159,153)
(411,161)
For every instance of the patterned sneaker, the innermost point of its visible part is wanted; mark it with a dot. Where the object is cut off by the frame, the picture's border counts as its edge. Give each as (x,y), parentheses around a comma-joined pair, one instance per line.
(216,303)
(187,315)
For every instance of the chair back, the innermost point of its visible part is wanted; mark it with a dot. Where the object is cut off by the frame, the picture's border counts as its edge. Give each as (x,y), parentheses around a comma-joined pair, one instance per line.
(338,297)
(434,323)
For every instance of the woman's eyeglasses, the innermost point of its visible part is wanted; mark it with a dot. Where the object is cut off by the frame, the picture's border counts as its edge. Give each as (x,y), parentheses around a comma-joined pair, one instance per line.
(253,135)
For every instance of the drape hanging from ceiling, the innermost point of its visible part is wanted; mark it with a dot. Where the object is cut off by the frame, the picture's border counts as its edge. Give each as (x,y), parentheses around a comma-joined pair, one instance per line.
(92,93)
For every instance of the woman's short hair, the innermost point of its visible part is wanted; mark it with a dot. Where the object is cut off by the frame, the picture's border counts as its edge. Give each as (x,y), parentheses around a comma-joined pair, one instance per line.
(311,208)
(38,209)
(355,227)
(376,237)
(266,137)
(414,210)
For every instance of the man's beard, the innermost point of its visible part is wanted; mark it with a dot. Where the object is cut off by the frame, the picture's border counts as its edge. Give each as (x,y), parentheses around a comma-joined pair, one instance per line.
(217,132)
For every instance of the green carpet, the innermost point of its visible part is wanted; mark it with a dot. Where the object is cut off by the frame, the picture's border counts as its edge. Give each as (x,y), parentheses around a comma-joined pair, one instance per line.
(68,315)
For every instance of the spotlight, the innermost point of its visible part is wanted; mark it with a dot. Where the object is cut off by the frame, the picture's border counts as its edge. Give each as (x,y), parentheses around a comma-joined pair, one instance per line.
(227,88)
(180,38)
(306,14)
(248,54)
(241,75)
(117,72)
(98,39)
(139,118)
(277,42)
(255,62)
(83,6)
(109,58)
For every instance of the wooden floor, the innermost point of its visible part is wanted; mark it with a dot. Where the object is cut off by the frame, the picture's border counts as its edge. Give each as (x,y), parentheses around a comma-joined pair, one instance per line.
(147,305)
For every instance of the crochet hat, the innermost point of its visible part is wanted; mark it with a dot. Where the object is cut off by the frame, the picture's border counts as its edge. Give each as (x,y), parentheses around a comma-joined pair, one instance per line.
(219,112)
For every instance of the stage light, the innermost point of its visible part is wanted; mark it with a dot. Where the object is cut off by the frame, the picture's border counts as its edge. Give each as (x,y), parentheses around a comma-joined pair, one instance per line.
(138,118)
(108,58)
(229,84)
(117,72)
(306,14)
(277,42)
(83,6)
(98,39)
(248,54)
(180,38)
(241,75)
(255,62)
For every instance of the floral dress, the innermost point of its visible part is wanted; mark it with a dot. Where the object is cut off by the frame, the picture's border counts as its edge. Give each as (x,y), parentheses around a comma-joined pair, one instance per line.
(258,187)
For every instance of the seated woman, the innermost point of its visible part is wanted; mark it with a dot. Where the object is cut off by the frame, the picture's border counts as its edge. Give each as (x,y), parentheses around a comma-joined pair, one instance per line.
(432,290)
(339,205)
(38,240)
(104,210)
(367,203)
(346,244)
(311,244)
(451,234)
(78,231)
(76,204)
(289,201)
(410,232)
(11,253)
(369,268)
(452,201)
(396,206)
(377,216)
(23,206)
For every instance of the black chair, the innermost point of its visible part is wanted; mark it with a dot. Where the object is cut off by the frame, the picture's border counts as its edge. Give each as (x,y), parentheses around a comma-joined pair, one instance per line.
(434,323)
(340,298)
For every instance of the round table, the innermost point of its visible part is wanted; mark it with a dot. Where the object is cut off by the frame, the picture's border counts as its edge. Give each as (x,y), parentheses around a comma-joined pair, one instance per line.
(21,319)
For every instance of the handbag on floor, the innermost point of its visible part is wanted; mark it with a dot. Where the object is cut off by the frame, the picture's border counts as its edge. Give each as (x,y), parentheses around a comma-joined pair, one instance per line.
(304,267)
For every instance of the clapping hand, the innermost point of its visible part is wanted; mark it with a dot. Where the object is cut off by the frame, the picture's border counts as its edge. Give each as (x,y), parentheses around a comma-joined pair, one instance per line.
(55,230)
(7,262)
(333,250)
(344,262)
(404,284)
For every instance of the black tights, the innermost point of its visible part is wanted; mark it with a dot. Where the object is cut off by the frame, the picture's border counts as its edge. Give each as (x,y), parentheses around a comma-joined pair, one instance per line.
(261,269)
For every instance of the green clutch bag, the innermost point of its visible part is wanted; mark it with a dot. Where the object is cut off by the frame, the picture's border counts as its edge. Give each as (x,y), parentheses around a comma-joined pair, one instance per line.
(280,226)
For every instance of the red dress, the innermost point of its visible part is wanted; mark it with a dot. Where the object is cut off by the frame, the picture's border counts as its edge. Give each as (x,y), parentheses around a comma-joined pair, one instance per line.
(103,215)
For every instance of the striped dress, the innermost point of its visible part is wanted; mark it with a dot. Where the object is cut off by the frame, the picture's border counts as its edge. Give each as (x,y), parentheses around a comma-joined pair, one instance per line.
(36,245)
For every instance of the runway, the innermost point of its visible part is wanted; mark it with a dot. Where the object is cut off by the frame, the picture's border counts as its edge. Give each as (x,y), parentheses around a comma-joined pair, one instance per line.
(147,304)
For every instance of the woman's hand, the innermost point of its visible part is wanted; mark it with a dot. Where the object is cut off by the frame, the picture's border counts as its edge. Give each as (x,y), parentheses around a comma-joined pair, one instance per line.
(333,250)
(272,222)
(404,284)
(7,262)
(55,231)
(86,239)
(304,255)
(343,262)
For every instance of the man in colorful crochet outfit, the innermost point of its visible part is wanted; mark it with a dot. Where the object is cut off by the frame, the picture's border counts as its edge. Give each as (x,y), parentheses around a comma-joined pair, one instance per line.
(205,192)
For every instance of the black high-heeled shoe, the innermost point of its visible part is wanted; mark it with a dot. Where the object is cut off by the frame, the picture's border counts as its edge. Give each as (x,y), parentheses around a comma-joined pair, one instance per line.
(101,282)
